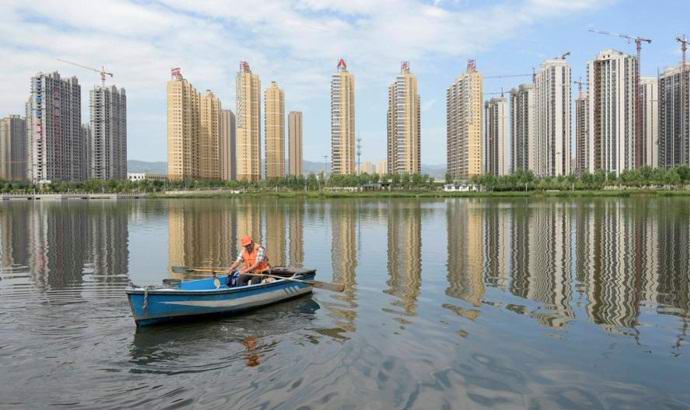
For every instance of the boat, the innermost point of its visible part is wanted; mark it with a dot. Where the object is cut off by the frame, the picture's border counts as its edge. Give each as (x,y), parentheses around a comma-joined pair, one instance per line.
(185,299)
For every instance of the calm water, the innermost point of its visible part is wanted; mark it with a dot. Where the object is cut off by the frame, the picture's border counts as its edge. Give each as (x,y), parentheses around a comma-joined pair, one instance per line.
(459,303)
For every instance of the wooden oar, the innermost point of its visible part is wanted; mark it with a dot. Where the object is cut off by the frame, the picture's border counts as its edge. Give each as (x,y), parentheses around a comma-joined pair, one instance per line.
(335,287)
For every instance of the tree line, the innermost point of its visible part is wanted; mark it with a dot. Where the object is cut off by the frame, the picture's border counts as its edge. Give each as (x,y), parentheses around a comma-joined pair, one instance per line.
(643,177)
(517,181)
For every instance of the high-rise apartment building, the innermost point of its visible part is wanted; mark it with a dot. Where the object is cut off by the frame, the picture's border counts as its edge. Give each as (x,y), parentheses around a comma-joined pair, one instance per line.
(611,142)
(649,93)
(13,151)
(497,138)
(522,118)
(209,137)
(404,124)
(295,143)
(55,141)
(382,167)
(248,116)
(464,124)
(342,121)
(183,129)
(552,120)
(228,144)
(674,116)
(274,121)
(107,142)
(581,133)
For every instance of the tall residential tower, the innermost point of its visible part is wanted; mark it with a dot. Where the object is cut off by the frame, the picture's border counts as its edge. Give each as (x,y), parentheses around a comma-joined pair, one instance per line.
(404,127)
(464,124)
(248,115)
(107,142)
(552,121)
(183,129)
(274,120)
(343,121)
(497,137)
(295,143)
(55,139)
(13,151)
(611,143)
(524,145)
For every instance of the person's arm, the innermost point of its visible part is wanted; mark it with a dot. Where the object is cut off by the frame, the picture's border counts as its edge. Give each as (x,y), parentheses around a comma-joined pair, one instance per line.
(235,264)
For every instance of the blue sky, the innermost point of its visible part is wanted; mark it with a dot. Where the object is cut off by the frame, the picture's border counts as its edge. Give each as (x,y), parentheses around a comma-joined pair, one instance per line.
(297,43)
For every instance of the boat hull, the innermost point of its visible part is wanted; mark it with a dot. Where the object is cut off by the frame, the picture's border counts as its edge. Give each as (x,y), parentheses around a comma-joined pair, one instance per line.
(154,306)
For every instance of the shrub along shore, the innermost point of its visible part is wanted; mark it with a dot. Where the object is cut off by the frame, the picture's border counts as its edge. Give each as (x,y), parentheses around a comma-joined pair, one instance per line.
(644,181)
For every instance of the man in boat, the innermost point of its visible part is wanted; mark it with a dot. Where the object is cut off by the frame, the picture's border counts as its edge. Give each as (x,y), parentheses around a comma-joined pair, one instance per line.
(253,261)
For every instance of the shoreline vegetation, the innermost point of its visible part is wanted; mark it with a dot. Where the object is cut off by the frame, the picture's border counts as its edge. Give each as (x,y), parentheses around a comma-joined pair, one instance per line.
(645,181)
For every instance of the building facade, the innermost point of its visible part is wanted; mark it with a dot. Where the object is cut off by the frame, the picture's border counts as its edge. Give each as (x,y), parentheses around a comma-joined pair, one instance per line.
(228,158)
(55,141)
(183,129)
(107,142)
(522,117)
(13,152)
(581,134)
(210,110)
(674,116)
(382,167)
(274,122)
(342,121)
(552,120)
(248,116)
(497,137)
(611,143)
(296,161)
(404,126)
(649,93)
(464,124)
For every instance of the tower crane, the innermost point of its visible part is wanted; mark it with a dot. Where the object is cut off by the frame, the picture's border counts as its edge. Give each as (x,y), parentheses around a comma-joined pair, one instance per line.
(102,71)
(683,48)
(639,146)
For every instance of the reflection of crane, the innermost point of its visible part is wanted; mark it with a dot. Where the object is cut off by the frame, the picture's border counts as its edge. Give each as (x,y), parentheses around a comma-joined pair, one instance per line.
(102,71)
(638,90)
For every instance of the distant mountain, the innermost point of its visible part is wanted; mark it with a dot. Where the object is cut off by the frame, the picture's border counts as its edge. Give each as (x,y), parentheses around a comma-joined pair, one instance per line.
(435,171)
(160,168)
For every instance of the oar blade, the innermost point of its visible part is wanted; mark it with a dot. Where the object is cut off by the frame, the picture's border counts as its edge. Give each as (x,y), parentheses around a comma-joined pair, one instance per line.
(180,269)
(334,287)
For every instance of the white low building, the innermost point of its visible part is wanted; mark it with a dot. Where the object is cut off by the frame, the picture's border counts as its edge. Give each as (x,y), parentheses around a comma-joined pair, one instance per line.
(145,176)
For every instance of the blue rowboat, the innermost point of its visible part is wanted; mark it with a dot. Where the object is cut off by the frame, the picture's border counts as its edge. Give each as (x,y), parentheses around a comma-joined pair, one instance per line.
(211,296)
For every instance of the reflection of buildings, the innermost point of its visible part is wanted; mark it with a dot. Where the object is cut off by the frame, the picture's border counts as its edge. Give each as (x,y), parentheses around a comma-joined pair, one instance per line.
(275,232)
(497,246)
(201,235)
(55,242)
(296,233)
(405,253)
(465,251)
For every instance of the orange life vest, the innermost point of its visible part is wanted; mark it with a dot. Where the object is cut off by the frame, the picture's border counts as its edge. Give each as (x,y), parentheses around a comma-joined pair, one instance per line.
(250,259)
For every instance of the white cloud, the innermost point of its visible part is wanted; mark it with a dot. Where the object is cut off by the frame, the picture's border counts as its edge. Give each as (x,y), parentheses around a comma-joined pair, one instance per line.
(294,42)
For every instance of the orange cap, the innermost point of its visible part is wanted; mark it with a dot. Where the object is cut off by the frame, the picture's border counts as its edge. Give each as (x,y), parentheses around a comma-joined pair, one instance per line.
(246,240)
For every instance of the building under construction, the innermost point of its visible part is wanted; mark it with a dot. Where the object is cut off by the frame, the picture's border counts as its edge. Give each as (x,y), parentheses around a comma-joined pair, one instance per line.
(108,133)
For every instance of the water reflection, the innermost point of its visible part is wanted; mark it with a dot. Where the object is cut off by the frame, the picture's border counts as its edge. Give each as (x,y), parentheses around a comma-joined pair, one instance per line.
(606,260)
(57,243)
(404,253)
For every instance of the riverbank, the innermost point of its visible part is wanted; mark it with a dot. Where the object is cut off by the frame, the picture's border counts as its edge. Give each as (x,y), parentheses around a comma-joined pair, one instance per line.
(428,194)
(210,194)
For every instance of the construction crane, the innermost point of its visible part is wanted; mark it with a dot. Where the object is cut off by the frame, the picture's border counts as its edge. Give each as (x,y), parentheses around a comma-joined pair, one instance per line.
(579,83)
(102,71)
(562,56)
(683,48)
(639,146)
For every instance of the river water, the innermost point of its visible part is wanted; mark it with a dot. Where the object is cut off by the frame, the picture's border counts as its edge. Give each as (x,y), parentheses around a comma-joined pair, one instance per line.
(456,303)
